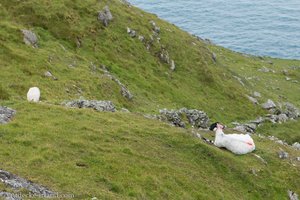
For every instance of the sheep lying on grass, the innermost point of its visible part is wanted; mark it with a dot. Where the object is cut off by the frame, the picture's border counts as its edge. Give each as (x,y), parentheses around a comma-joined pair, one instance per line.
(33,94)
(236,143)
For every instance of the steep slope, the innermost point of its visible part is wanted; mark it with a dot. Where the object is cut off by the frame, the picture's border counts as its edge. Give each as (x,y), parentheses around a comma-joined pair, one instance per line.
(124,155)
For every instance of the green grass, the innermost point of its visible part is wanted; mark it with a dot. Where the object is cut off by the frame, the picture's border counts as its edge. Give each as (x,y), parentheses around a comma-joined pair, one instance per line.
(126,156)
(123,156)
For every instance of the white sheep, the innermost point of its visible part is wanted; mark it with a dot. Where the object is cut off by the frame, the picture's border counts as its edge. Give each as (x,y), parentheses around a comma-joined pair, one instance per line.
(236,143)
(33,94)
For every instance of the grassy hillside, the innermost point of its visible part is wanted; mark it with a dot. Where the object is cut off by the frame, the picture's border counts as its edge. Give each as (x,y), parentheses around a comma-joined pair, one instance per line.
(124,155)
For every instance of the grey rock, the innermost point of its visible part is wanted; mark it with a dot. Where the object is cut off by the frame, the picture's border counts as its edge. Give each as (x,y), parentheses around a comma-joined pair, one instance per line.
(50,75)
(132,33)
(252,99)
(164,56)
(173,66)
(296,145)
(172,116)
(285,72)
(105,16)
(155,28)
(141,38)
(197,118)
(6,114)
(283,155)
(239,80)
(246,128)
(288,78)
(126,93)
(256,94)
(258,121)
(30,38)
(281,118)
(292,195)
(214,57)
(266,70)
(10,196)
(96,105)
(269,105)
(20,183)
(125,110)
(291,111)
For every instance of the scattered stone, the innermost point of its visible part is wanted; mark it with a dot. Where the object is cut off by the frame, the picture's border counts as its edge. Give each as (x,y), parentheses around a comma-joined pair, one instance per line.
(30,38)
(155,28)
(173,67)
(246,128)
(214,57)
(6,114)
(269,105)
(296,145)
(125,110)
(132,33)
(292,195)
(105,16)
(10,196)
(172,116)
(266,70)
(141,38)
(20,183)
(50,75)
(291,111)
(96,105)
(256,94)
(288,78)
(124,91)
(196,118)
(285,72)
(239,80)
(258,121)
(283,155)
(164,56)
(252,99)
(281,118)
(260,158)
(298,158)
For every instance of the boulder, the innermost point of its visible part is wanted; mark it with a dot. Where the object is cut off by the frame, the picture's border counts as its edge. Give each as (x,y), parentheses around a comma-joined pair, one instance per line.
(291,111)
(292,195)
(6,114)
(30,38)
(252,99)
(126,93)
(296,145)
(172,116)
(197,118)
(164,56)
(132,33)
(105,16)
(256,94)
(269,105)
(96,105)
(246,128)
(283,155)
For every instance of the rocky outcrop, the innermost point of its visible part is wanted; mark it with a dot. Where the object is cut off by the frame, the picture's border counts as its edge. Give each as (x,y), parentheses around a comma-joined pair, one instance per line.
(6,114)
(30,38)
(283,155)
(96,105)
(105,16)
(291,111)
(16,182)
(196,118)
(10,196)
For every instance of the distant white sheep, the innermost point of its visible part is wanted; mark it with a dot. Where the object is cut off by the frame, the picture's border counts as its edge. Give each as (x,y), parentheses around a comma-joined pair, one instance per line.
(236,143)
(33,94)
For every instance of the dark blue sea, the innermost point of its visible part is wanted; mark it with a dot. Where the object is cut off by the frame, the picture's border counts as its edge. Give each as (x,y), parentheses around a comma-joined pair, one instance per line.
(257,27)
